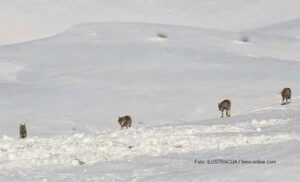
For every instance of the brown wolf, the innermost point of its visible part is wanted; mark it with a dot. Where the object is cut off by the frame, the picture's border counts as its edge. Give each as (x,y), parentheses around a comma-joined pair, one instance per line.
(23,131)
(225,105)
(286,95)
(125,121)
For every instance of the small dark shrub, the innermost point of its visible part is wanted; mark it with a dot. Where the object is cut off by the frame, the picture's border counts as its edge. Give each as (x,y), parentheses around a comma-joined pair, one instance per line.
(244,39)
(162,35)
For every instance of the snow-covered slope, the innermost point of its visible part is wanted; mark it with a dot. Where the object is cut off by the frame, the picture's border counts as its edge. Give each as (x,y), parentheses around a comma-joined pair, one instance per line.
(289,29)
(86,77)
(32,19)
(71,88)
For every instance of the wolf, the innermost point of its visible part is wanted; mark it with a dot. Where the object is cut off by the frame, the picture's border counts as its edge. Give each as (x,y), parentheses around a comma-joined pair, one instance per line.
(23,131)
(225,105)
(286,95)
(125,121)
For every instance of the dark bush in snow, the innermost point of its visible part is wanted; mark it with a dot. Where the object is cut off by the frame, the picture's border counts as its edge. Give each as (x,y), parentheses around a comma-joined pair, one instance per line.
(162,35)
(244,38)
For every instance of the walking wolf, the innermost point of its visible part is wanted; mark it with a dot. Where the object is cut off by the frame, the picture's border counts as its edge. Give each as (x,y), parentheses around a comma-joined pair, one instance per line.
(286,95)
(125,121)
(225,105)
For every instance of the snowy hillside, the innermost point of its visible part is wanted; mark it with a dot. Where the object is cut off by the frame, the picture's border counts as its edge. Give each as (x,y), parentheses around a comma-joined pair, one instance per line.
(83,79)
(28,20)
(71,88)
(288,29)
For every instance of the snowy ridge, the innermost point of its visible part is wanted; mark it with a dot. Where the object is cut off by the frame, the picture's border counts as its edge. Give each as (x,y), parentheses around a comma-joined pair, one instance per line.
(153,141)
(288,29)
(30,23)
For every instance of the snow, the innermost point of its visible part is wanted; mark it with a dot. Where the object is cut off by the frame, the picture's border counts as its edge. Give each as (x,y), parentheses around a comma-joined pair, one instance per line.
(9,71)
(76,82)
(28,20)
(154,141)
(288,29)
(133,154)
(71,87)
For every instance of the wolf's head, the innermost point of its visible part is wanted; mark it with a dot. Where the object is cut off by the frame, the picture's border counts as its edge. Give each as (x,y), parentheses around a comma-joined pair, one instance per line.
(219,106)
(22,127)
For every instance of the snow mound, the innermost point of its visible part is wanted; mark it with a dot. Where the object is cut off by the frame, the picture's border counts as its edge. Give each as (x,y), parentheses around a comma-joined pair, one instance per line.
(157,39)
(9,71)
(240,42)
